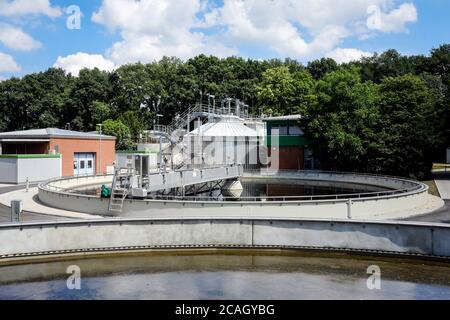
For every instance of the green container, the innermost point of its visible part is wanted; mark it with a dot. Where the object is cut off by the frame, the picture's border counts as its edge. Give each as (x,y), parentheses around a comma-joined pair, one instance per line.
(106,192)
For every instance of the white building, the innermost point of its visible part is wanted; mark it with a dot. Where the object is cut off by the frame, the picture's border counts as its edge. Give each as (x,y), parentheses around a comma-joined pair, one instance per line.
(225,140)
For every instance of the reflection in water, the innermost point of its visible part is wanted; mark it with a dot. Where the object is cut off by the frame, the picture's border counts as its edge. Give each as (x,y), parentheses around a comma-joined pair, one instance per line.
(227,276)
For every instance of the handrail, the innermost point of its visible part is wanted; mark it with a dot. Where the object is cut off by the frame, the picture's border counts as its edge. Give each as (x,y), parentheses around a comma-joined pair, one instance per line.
(204,108)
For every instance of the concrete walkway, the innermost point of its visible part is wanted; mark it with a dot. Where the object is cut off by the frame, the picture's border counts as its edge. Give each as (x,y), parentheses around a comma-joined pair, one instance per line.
(432,204)
(441,215)
(31,204)
(442,180)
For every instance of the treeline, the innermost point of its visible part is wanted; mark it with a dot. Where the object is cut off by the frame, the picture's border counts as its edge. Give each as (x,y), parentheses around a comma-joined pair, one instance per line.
(388,113)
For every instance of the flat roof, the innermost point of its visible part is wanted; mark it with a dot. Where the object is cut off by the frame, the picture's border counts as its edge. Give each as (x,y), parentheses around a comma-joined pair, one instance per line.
(48,133)
(290,117)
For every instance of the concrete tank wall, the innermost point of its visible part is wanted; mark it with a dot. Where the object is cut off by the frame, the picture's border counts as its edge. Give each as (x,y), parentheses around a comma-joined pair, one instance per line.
(53,194)
(110,235)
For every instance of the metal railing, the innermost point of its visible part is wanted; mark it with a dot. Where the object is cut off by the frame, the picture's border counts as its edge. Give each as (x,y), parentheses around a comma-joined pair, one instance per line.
(181,120)
(415,188)
(342,197)
(49,184)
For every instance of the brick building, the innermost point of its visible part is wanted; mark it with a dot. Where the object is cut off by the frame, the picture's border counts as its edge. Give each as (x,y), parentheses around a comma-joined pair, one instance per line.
(285,136)
(80,153)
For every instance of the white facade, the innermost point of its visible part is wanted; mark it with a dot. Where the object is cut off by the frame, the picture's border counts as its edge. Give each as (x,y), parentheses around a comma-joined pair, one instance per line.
(224,142)
(124,160)
(17,169)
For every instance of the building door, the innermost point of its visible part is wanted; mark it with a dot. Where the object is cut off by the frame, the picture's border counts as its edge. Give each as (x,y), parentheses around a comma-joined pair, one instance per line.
(84,164)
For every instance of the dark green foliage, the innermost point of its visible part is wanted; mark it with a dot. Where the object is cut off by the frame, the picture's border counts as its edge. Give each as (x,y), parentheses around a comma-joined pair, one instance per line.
(319,68)
(121,132)
(387,113)
(406,126)
(342,123)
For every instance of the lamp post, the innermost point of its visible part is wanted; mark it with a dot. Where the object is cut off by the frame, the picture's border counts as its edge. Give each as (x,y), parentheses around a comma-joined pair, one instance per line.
(146,136)
(100,155)
(158,116)
(213,97)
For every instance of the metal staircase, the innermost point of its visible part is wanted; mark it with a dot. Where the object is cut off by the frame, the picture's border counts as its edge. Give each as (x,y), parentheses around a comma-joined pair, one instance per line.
(118,193)
(175,131)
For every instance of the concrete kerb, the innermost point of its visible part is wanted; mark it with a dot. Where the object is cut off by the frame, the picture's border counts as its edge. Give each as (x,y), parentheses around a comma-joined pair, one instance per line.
(115,235)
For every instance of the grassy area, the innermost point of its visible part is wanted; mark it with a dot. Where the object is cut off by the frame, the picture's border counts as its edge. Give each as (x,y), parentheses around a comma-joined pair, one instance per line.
(433,188)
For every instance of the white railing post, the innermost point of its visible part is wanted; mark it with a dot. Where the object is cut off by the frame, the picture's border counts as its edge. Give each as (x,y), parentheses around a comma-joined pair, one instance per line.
(349,209)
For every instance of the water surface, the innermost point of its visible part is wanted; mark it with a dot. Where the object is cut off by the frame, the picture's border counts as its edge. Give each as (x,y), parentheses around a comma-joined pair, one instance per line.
(227,276)
(272,189)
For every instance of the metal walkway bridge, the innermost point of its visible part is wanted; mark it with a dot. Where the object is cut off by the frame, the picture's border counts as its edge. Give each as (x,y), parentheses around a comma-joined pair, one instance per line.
(129,184)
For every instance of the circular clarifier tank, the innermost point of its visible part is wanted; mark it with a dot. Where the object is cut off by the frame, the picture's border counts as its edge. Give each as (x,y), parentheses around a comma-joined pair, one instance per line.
(269,189)
(262,193)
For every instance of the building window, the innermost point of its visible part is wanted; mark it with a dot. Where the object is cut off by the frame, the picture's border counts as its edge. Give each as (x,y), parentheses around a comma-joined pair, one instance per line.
(89,164)
(295,131)
(279,131)
(82,164)
(75,165)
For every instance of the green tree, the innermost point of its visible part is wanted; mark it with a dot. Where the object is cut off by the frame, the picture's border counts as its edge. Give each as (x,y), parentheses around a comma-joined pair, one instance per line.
(343,122)
(120,131)
(319,68)
(440,62)
(407,126)
(388,64)
(89,86)
(135,123)
(100,111)
(35,101)
(282,92)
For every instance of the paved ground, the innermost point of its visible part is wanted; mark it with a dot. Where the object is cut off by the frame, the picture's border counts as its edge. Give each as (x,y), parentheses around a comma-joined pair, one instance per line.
(442,180)
(5,212)
(31,203)
(441,215)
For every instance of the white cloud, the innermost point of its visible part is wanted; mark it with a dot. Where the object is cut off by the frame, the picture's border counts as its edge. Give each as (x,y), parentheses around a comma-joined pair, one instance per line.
(75,62)
(14,38)
(302,29)
(28,7)
(8,64)
(151,29)
(344,55)
(393,21)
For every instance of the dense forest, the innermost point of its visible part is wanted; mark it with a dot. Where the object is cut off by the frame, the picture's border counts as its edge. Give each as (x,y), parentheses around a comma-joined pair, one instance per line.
(387,113)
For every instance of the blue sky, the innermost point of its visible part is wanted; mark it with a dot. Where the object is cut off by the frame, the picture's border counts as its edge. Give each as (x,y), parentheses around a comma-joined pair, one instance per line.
(34,35)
